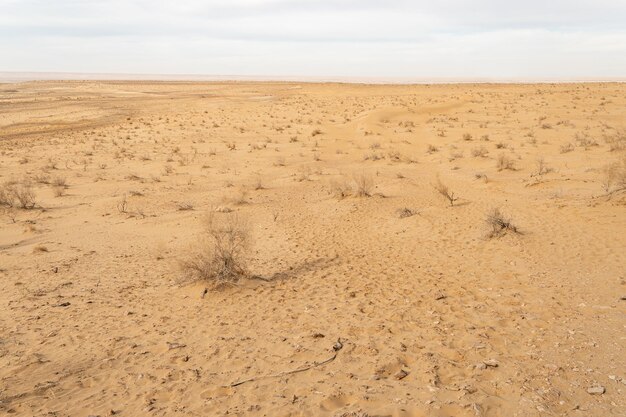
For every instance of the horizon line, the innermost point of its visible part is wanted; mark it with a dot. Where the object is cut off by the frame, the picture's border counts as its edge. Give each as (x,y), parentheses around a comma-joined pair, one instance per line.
(29,76)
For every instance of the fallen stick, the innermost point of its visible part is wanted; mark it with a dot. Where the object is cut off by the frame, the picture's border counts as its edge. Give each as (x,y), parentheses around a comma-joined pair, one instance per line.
(278,375)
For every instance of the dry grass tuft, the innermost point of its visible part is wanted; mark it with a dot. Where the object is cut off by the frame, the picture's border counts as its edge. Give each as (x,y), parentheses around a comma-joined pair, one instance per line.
(220,258)
(340,188)
(505,162)
(498,224)
(363,185)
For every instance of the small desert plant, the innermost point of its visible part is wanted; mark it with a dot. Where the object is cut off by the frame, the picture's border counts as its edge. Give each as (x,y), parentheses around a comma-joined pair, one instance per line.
(445,191)
(17,195)
(59,182)
(499,224)
(220,257)
(585,141)
(6,195)
(614,177)
(566,147)
(479,152)
(500,145)
(617,141)
(406,212)
(363,185)
(59,190)
(239,197)
(257,184)
(122,205)
(542,168)
(505,162)
(340,188)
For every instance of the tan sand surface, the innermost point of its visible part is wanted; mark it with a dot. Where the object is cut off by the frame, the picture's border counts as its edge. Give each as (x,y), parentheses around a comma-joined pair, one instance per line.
(417,313)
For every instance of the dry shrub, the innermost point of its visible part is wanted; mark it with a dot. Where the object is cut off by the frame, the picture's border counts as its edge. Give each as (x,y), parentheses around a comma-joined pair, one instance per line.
(239,197)
(220,258)
(479,152)
(17,195)
(405,212)
(566,147)
(542,168)
(616,141)
(584,140)
(363,185)
(59,191)
(614,176)
(340,188)
(59,182)
(505,162)
(445,191)
(498,224)
(372,156)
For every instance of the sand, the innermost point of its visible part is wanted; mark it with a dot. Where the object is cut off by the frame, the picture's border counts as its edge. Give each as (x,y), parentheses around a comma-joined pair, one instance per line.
(379,311)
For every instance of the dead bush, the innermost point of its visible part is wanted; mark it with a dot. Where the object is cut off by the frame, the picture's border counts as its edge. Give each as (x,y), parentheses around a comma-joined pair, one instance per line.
(479,152)
(59,191)
(220,255)
(498,224)
(614,176)
(566,147)
(445,191)
(239,197)
(542,168)
(406,212)
(616,141)
(340,188)
(364,185)
(17,195)
(505,162)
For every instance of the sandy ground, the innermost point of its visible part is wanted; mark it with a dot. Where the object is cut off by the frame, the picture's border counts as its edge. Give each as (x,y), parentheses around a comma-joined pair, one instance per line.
(423,315)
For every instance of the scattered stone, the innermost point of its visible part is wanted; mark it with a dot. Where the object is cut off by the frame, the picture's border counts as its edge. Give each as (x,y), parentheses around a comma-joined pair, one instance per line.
(401,374)
(338,346)
(63,304)
(492,363)
(440,295)
(318,335)
(480,366)
(596,390)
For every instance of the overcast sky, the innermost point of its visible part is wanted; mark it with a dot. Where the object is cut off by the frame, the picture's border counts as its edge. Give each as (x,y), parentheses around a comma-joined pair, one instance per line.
(359,38)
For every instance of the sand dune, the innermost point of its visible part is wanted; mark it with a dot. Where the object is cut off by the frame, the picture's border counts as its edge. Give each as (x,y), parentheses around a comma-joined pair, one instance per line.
(391,303)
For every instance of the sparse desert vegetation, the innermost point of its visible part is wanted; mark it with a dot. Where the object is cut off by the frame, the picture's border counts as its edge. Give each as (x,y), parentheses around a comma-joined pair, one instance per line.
(288,249)
(219,256)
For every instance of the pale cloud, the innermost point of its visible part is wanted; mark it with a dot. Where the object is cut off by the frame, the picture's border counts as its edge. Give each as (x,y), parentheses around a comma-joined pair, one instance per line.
(422,39)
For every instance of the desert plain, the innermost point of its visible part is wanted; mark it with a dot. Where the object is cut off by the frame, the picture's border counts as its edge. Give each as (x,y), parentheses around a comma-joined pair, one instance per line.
(378,281)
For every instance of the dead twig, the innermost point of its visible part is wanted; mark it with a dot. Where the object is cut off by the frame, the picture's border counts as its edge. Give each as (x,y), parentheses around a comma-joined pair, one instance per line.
(303,368)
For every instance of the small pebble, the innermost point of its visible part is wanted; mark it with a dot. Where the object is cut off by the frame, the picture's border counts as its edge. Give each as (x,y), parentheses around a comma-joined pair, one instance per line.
(596,390)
